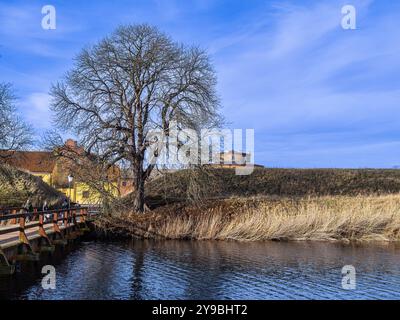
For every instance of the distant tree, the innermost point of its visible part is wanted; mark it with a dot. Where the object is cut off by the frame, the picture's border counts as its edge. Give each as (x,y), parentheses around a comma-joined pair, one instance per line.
(15,134)
(131,82)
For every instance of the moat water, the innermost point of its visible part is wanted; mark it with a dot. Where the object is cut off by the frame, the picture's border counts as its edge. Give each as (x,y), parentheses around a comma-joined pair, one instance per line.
(142,269)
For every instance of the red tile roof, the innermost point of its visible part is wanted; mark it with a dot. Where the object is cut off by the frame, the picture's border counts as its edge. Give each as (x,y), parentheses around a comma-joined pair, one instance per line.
(32,161)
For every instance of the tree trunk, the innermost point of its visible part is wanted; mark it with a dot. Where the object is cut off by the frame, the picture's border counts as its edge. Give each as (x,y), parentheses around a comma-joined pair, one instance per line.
(139,189)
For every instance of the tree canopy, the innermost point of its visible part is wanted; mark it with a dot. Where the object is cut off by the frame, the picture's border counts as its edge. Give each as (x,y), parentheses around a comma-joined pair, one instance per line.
(130,83)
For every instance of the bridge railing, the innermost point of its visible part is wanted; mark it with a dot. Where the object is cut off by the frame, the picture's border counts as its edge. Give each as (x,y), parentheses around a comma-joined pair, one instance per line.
(10,215)
(39,219)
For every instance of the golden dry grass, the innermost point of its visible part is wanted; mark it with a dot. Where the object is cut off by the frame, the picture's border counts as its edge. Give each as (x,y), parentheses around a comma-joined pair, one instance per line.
(362,218)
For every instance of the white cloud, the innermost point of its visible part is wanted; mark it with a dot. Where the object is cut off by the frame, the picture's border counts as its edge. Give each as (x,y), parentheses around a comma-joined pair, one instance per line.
(35,109)
(303,75)
(21,30)
(314,93)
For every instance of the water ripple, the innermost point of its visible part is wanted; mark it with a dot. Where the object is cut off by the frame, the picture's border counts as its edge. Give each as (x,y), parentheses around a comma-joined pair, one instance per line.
(211,270)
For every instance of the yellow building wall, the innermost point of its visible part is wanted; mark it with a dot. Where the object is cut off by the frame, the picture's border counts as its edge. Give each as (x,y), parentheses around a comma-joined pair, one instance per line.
(66,192)
(80,192)
(46,177)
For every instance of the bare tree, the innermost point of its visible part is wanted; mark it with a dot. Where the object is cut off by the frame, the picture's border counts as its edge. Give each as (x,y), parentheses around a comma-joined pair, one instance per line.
(101,179)
(15,134)
(128,84)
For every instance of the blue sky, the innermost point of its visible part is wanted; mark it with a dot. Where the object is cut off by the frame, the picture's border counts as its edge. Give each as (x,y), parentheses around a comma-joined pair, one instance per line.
(317,95)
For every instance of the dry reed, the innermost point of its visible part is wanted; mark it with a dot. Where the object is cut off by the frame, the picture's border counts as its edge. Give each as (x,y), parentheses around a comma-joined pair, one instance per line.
(361,218)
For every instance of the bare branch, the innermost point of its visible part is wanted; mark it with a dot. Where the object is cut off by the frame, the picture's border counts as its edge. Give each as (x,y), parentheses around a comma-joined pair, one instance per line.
(15,134)
(129,83)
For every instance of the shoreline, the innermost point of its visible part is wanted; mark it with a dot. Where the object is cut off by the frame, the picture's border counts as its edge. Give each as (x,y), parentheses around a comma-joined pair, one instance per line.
(330,218)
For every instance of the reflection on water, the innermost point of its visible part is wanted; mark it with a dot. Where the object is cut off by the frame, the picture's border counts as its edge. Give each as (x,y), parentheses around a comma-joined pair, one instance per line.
(212,270)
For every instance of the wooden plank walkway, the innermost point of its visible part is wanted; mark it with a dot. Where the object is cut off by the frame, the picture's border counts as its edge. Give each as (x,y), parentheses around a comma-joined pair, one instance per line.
(15,230)
(23,240)
(9,237)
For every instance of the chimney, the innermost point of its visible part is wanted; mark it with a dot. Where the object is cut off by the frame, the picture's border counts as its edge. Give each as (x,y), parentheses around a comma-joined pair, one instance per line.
(72,144)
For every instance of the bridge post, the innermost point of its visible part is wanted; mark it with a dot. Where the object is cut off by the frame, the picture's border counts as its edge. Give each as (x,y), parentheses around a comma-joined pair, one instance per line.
(82,220)
(13,221)
(57,231)
(66,219)
(70,231)
(83,216)
(25,251)
(22,236)
(66,224)
(47,246)
(1,215)
(77,227)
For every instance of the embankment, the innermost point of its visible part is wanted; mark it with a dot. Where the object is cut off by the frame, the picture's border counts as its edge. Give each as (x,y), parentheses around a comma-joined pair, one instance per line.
(223,183)
(16,186)
(338,218)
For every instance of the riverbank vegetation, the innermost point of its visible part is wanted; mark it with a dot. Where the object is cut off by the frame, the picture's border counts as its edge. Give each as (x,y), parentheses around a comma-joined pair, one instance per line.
(220,183)
(344,218)
(270,204)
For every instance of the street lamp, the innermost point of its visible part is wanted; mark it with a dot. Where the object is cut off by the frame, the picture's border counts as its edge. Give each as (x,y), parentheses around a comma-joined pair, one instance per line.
(70,180)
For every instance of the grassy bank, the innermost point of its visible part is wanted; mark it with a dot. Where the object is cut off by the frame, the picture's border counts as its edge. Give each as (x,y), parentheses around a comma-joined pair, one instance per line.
(223,183)
(342,218)
(17,186)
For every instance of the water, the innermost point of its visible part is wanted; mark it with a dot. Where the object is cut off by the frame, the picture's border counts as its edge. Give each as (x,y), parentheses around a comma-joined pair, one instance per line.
(211,270)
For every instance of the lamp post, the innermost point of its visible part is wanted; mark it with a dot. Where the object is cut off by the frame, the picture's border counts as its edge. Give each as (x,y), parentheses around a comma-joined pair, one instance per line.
(70,180)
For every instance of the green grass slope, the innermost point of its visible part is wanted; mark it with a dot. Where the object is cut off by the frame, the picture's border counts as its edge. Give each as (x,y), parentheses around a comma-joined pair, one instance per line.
(223,183)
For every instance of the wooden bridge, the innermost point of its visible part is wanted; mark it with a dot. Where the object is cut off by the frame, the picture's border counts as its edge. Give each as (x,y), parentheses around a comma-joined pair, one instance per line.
(24,235)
